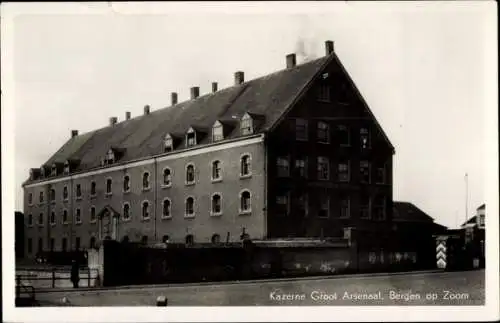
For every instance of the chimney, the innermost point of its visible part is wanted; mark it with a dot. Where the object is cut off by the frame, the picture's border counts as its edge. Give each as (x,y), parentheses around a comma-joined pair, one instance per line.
(146,109)
(214,87)
(74,133)
(127,115)
(328,47)
(195,92)
(173,98)
(291,60)
(113,121)
(239,77)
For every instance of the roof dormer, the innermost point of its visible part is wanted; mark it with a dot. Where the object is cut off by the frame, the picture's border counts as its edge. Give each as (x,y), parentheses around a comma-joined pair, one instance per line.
(221,129)
(170,141)
(194,135)
(55,169)
(249,122)
(70,165)
(113,155)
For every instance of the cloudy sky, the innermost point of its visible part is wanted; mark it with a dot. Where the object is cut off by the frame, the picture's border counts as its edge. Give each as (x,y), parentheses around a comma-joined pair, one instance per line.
(421,68)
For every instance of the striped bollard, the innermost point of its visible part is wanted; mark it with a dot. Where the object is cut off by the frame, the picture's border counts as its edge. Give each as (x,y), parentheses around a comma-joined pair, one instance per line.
(161,301)
(441,252)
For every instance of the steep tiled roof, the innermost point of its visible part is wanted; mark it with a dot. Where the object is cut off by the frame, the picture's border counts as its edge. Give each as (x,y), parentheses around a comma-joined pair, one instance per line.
(268,96)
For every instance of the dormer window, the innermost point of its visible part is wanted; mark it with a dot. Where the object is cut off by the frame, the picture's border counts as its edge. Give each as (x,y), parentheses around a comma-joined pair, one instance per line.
(66,168)
(168,143)
(110,157)
(53,171)
(217,132)
(246,125)
(191,138)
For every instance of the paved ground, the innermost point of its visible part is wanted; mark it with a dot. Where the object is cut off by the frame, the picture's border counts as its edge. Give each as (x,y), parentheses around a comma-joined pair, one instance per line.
(443,288)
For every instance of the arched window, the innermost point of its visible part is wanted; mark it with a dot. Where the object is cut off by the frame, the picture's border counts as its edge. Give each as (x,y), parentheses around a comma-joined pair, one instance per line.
(93,188)
(126,211)
(190,174)
(92,242)
(78,216)
(189,207)
(245,166)
(52,217)
(189,239)
(145,181)
(168,143)
(126,183)
(145,210)
(65,216)
(52,195)
(165,238)
(245,202)
(92,214)
(215,238)
(109,184)
(216,170)
(166,208)
(167,177)
(216,204)
(65,193)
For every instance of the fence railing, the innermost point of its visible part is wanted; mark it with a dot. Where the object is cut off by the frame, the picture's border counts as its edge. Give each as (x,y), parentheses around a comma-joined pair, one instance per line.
(48,278)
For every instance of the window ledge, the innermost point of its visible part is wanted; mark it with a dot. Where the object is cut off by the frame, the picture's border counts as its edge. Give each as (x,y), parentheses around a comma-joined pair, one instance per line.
(65,223)
(218,214)
(146,189)
(168,217)
(126,192)
(92,197)
(189,216)
(53,224)
(189,183)
(146,219)
(126,219)
(323,142)
(216,180)
(79,198)
(245,176)
(93,221)
(245,212)
(79,223)
(166,185)
(108,195)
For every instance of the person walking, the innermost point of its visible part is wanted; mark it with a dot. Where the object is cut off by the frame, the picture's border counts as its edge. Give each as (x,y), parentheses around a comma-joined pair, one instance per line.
(75,273)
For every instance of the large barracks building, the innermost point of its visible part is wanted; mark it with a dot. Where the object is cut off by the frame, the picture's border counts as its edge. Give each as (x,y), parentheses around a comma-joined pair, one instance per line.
(296,153)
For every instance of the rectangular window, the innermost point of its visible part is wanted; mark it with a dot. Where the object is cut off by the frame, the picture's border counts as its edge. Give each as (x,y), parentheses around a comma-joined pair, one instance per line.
(53,218)
(41,197)
(283,167)
(52,244)
(323,132)
(343,171)
(30,219)
(379,208)
(364,207)
(78,216)
(301,167)
(343,135)
(364,137)
(93,189)
(324,92)
(323,168)
(93,215)
(78,191)
(217,133)
(301,129)
(30,245)
(282,204)
(191,139)
(324,206)
(40,219)
(303,204)
(364,170)
(380,174)
(345,207)
(30,198)
(246,126)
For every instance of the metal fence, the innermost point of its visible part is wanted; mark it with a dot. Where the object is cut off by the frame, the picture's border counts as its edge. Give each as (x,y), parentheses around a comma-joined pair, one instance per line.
(46,278)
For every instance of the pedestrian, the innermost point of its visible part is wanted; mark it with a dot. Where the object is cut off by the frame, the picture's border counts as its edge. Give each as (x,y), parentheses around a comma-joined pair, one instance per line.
(75,273)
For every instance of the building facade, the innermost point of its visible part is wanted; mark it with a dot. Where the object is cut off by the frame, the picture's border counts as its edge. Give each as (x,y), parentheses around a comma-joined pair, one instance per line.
(297,153)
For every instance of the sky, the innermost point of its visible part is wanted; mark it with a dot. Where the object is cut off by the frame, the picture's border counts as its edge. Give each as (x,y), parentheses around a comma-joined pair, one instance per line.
(422,69)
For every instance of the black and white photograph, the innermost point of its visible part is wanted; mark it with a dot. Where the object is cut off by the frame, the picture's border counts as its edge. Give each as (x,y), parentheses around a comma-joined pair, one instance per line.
(250,161)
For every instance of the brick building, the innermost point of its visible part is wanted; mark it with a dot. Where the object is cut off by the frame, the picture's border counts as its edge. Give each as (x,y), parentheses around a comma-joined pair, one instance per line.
(296,153)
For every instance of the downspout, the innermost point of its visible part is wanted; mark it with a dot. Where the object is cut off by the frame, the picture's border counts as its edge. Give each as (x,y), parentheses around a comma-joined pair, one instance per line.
(70,191)
(46,219)
(155,187)
(266,179)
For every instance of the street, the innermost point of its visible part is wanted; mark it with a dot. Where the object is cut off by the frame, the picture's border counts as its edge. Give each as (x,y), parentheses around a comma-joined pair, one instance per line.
(431,288)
